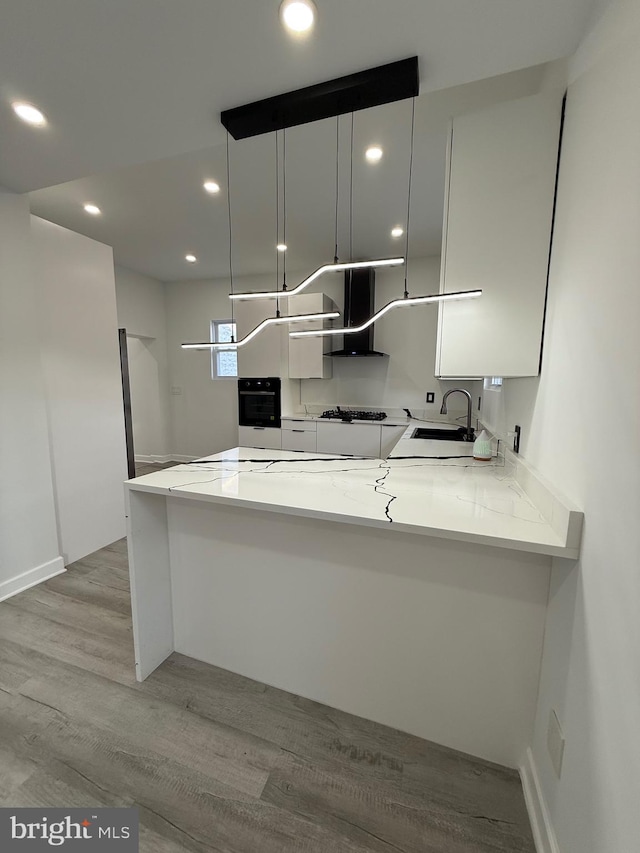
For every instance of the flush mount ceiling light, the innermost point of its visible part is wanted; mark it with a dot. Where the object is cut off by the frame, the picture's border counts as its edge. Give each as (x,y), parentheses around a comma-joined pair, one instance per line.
(29,113)
(271,294)
(270,321)
(397,231)
(93,209)
(373,154)
(297,16)
(211,187)
(191,258)
(396,303)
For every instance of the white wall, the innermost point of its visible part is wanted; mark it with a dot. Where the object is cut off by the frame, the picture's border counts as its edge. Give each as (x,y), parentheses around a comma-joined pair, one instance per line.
(407,335)
(141,311)
(29,549)
(204,415)
(590,386)
(78,333)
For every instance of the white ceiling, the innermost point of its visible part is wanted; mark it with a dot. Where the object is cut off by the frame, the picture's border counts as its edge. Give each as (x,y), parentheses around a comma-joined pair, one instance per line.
(133,92)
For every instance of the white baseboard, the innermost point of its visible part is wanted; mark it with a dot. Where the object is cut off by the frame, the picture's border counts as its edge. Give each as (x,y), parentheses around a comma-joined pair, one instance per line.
(32,577)
(541,826)
(139,457)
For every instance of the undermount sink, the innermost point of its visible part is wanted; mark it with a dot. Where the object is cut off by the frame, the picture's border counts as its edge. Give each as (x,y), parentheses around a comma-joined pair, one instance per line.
(458,434)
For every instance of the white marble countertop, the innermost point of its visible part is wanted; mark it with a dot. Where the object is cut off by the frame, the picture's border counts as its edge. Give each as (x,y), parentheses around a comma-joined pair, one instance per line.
(426,487)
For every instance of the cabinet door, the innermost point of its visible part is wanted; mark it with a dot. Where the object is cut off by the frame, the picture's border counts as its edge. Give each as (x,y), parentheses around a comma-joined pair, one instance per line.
(307,359)
(497,229)
(267,437)
(262,356)
(299,439)
(349,439)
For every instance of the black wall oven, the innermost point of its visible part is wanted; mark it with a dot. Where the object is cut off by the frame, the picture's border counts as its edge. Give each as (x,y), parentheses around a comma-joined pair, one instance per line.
(259,402)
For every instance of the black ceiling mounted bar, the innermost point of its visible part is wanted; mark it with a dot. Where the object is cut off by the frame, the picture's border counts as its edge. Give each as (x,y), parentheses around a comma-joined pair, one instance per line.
(371,88)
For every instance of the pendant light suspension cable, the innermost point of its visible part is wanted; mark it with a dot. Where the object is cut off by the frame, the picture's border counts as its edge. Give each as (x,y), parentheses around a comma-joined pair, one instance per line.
(335,253)
(233,337)
(351,195)
(406,233)
(284,209)
(277,226)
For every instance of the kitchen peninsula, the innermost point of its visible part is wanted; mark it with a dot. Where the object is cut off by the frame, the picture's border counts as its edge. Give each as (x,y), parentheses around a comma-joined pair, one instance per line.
(411,591)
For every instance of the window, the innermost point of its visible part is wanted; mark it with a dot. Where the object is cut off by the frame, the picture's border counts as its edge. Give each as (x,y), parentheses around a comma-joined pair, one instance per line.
(224,363)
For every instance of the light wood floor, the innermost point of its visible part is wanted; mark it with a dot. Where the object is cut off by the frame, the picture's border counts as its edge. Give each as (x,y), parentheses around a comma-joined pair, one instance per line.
(214,761)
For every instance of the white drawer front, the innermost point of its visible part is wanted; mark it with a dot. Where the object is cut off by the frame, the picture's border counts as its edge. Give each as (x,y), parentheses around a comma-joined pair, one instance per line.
(298,424)
(349,439)
(268,437)
(295,439)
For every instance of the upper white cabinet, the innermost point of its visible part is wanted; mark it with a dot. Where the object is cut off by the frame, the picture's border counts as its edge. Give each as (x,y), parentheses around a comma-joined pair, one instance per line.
(307,356)
(262,356)
(497,229)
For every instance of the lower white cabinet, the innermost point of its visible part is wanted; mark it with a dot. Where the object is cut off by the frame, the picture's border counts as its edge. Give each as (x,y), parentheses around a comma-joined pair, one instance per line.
(390,435)
(268,437)
(299,439)
(298,434)
(349,439)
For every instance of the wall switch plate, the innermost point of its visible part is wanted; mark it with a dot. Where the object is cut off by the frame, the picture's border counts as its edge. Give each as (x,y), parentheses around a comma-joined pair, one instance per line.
(555,742)
(175,389)
(431,397)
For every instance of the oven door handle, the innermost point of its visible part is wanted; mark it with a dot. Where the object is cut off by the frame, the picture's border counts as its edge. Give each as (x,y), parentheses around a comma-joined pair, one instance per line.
(257,393)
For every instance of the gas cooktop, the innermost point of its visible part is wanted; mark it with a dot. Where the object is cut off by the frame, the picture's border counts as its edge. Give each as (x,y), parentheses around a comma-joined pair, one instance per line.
(353,415)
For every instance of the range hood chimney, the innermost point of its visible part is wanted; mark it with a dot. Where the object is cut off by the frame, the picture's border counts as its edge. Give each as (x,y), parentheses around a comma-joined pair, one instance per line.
(359,299)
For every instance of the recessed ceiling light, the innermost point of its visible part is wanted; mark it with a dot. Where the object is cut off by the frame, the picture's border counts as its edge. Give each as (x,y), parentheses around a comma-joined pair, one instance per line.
(191,258)
(281,247)
(297,15)
(397,231)
(29,113)
(373,153)
(211,187)
(93,209)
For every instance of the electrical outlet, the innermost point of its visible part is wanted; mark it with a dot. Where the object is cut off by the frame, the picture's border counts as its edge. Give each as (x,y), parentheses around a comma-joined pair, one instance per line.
(176,390)
(555,742)
(431,397)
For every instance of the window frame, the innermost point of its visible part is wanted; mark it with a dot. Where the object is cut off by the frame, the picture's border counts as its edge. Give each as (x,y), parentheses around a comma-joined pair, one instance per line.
(215,324)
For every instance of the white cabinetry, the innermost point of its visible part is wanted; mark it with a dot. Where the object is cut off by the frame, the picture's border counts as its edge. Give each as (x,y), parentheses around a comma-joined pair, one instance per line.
(298,434)
(262,356)
(497,228)
(349,439)
(307,356)
(268,437)
(390,435)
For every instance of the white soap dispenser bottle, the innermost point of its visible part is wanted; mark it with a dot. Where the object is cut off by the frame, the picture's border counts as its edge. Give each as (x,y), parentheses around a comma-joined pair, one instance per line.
(482,447)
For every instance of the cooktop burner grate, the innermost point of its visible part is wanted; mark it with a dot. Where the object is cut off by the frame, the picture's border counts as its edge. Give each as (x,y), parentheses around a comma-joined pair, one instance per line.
(354,415)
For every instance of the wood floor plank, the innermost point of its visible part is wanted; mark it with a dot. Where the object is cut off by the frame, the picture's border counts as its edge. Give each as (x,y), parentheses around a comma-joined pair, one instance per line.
(106,656)
(45,603)
(214,761)
(336,740)
(209,813)
(374,811)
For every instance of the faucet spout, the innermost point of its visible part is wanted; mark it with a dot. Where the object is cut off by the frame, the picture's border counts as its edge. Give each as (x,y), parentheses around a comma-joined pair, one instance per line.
(443,409)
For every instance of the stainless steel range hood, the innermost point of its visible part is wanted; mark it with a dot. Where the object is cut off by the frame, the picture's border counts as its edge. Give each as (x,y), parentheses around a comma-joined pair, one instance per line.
(359,305)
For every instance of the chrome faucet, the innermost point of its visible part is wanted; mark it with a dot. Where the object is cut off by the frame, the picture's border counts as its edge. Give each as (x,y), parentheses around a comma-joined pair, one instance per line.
(443,410)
